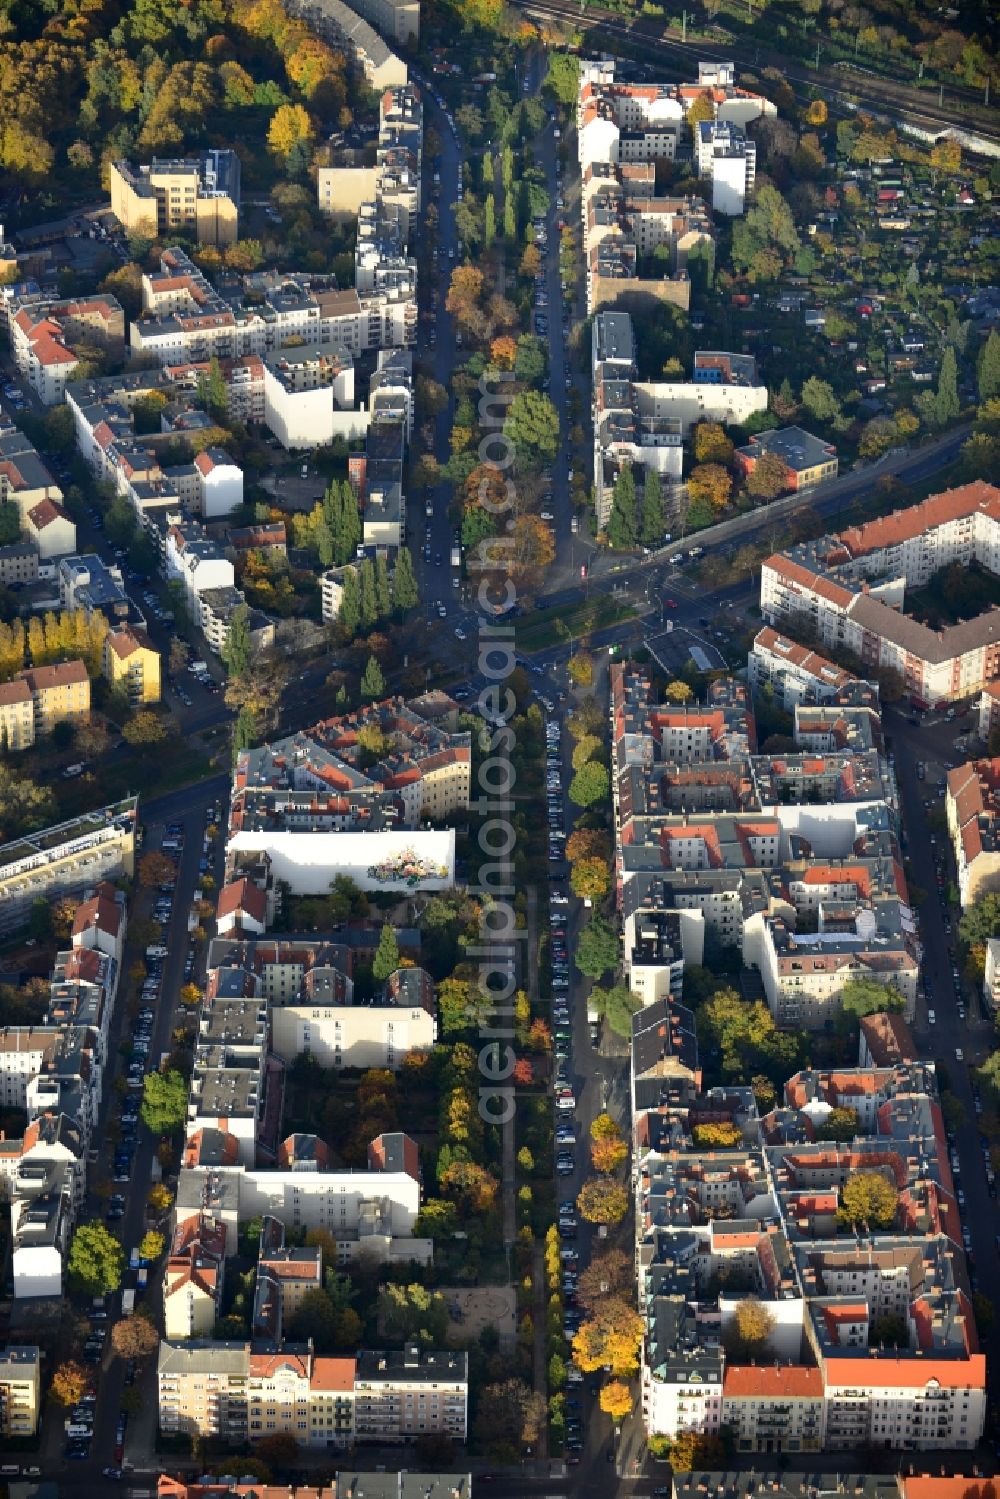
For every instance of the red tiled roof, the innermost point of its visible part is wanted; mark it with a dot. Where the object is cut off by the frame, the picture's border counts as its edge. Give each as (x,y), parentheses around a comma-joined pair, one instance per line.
(242,895)
(761,1383)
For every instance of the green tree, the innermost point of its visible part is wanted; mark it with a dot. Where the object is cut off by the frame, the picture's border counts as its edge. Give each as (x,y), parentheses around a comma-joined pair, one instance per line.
(597,948)
(96,1260)
(212,391)
(386,958)
(530,362)
(616,1005)
(383,595)
(819,400)
(236,648)
(164,1101)
(590,785)
(563,78)
(533,426)
(244,732)
(988,368)
(947,405)
(316,1317)
(839,1124)
(868,1197)
(623,522)
(368,594)
(349,617)
(982,920)
(373,682)
(866,996)
(405,594)
(653,517)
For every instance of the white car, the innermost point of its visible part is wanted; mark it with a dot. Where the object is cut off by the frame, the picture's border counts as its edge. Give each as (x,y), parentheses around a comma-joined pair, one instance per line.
(931,1017)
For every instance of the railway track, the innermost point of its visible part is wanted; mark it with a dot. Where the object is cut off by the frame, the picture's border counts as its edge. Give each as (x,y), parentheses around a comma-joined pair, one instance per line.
(849,86)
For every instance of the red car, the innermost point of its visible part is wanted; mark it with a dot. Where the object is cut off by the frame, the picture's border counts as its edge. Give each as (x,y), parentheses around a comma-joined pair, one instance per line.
(670,603)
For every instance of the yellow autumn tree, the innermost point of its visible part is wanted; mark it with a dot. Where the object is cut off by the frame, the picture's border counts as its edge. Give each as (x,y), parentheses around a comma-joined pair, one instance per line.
(612,1336)
(616,1399)
(290,125)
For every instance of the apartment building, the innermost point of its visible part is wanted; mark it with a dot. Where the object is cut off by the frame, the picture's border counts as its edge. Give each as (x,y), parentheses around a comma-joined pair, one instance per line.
(208,578)
(729,161)
(368,1212)
(19,562)
(20,1390)
(131,664)
(66,859)
(767,1214)
(193,1279)
(337,23)
(58,693)
(46,333)
(86,582)
(972,806)
(186,322)
(230,1391)
(198,197)
(309,397)
(26,482)
(800,676)
(307,807)
(850,588)
(723,388)
(357,1485)
(17,715)
(627,431)
(400,1395)
(745,1483)
(326,1021)
(808,460)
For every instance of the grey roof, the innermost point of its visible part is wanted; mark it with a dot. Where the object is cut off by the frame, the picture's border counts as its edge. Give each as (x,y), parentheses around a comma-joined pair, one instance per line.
(203,1356)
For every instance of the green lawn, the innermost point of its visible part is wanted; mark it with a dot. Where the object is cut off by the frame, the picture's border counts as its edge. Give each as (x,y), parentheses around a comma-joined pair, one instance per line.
(548,627)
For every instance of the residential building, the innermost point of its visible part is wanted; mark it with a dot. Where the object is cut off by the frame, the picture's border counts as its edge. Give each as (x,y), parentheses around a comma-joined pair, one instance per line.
(807,459)
(972,805)
(20,1390)
(86,582)
(350,1484)
(326,1021)
(17,715)
(309,397)
(131,663)
(19,562)
(186,322)
(850,589)
(800,675)
(198,197)
(192,1284)
(370,1212)
(58,693)
(26,482)
(765,1213)
(725,156)
(991,974)
(400,1395)
(335,22)
(303,801)
(45,335)
(65,859)
(50,530)
(628,431)
(723,388)
(885,1041)
(231,1391)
